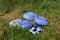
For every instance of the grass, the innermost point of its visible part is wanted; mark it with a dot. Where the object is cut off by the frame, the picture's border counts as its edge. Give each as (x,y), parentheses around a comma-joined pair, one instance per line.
(47,8)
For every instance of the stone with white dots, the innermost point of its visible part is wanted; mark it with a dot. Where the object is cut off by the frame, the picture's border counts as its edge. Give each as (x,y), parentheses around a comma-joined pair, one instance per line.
(25,24)
(40,21)
(29,15)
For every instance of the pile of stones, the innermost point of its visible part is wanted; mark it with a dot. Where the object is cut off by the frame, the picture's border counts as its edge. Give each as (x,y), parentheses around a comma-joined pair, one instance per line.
(28,17)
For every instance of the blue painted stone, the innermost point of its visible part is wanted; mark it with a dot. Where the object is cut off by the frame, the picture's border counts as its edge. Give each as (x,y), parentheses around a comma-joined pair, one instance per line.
(35,30)
(29,15)
(25,24)
(40,21)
